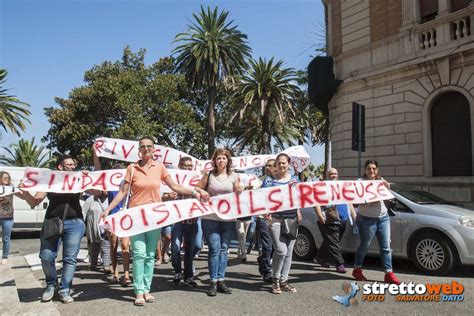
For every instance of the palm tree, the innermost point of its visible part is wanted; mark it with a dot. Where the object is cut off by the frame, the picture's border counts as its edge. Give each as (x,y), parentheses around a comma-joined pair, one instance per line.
(268,90)
(210,51)
(13,112)
(27,154)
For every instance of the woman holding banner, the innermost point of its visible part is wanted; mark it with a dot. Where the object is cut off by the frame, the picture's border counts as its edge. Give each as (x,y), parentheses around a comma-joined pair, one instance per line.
(221,180)
(373,220)
(142,181)
(282,244)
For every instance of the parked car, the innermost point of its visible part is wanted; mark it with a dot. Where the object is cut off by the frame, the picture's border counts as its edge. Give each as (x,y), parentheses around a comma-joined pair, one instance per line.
(433,233)
(25,217)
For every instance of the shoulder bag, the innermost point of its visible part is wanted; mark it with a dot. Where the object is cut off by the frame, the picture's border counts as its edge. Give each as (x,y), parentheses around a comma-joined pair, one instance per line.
(54,227)
(289,228)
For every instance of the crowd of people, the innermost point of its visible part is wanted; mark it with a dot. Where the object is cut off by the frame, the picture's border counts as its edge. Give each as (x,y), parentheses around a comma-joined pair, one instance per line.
(274,235)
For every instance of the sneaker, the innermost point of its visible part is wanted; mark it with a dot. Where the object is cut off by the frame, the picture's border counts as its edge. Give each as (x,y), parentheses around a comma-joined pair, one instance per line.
(48,293)
(391,278)
(177,278)
(358,275)
(66,298)
(341,269)
(268,278)
(212,290)
(222,288)
(190,282)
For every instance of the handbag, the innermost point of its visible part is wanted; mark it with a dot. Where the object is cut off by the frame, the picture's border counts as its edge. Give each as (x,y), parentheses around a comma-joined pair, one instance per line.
(54,227)
(125,204)
(289,228)
(332,215)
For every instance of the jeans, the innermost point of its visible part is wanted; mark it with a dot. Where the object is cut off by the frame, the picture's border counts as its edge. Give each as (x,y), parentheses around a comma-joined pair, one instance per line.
(198,241)
(218,235)
(264,265)
(73,232)
(330,249)
(188,232)
(144,251)
(282,257)
(7,225)
(368,228)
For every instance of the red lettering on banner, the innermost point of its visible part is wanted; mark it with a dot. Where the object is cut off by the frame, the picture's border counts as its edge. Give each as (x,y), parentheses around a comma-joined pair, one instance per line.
(319,192)
(113,149)
(196,207)
(335,191)
(194,180)
(84,184)
(361,192)
(243,162)
(122,222)
(295,165)
(368,190)
(381,189)
(209,166)
(28,177)
(118,175)
(197,164)
(113,224)
(51,180)
(177,210)
(306,191)
(98,145)
(254,210)
(167,163)
(257,161)
(159,209)
(290,195)
(144,220)
(227,205)
(347,193)
(237,201)
(125,152)
(156,154)
(69,184)
(277,203)
(178,180)
(100,181)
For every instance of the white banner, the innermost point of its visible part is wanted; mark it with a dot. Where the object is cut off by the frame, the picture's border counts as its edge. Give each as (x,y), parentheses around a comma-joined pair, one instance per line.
(45,180)
(8,190)
(249,203)
(126,150)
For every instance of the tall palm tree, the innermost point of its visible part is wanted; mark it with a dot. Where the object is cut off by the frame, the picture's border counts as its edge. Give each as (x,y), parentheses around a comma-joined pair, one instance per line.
(208,52)
(27,154)
(13,112)
(267,88)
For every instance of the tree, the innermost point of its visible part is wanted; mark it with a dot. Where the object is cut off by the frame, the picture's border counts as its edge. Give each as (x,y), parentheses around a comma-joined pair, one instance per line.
(267,91)
(210,51)
(13,112)
(126,99)
(27,154)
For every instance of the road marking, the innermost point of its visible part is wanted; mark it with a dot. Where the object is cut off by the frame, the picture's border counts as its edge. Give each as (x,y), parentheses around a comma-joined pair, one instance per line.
(34,261)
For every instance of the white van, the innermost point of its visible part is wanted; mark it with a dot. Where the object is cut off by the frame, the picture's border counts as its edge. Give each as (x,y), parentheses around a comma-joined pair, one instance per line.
(25,217)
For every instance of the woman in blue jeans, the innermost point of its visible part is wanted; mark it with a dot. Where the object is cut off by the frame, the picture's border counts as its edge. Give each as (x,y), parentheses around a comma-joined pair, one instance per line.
(221,180)
(6,216)
(373,220)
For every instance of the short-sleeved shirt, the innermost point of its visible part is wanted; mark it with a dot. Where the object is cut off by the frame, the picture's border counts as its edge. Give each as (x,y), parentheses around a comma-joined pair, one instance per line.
(218,186)
(57,205)
(146,183)
(271,182)
(110,196)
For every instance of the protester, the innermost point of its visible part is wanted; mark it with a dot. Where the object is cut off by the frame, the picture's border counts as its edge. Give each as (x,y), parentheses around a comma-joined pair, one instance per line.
(261,229)
(144,178)
(184,231)
(332,221)
(373,220)
(221,180)
(6,216)
(67,205)
(242,226)
(283,244)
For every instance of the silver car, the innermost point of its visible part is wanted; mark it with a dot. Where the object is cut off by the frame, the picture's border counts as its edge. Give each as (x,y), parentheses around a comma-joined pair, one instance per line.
(434,234)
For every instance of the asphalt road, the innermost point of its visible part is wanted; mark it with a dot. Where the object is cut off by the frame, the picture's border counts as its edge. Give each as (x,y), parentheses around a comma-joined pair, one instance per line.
(94,294)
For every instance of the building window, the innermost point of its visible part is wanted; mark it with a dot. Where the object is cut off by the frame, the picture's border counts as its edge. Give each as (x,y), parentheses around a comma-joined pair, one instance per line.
(428,10)
(451,136)
(459,4)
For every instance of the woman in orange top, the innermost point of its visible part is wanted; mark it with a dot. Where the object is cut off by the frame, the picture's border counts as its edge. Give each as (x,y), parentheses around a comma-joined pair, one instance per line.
(145,177)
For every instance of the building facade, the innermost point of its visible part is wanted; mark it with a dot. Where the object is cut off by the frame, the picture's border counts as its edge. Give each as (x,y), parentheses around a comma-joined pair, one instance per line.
(411,63)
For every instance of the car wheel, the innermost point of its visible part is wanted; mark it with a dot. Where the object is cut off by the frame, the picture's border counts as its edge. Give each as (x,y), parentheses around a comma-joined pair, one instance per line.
(305,248)
(432,254)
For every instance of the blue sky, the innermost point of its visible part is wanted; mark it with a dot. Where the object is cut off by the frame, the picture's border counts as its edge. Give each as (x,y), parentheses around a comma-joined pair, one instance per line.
(47,45)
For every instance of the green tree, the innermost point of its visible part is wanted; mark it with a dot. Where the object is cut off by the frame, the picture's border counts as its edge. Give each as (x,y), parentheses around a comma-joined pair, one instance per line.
(210,51)
(267,90)
(27,154)
(127,99)
(13,112)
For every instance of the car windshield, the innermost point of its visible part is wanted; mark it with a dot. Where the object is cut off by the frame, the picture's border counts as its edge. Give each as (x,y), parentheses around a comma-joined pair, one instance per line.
(418,196)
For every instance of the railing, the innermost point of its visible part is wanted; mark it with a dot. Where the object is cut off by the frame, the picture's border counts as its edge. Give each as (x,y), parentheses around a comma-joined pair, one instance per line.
(428,39)
(460,28)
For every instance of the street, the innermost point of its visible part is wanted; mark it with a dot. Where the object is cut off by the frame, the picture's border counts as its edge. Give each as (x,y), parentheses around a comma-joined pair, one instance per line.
(94,293)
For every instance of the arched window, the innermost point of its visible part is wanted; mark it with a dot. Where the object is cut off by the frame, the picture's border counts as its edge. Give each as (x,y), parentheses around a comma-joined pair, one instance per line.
(451,136)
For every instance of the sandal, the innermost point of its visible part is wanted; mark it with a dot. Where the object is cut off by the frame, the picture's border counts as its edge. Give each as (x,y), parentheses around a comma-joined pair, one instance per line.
(286,287)
(139,302)
(149,298)
(126,282)
(276,289)
(115,279)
